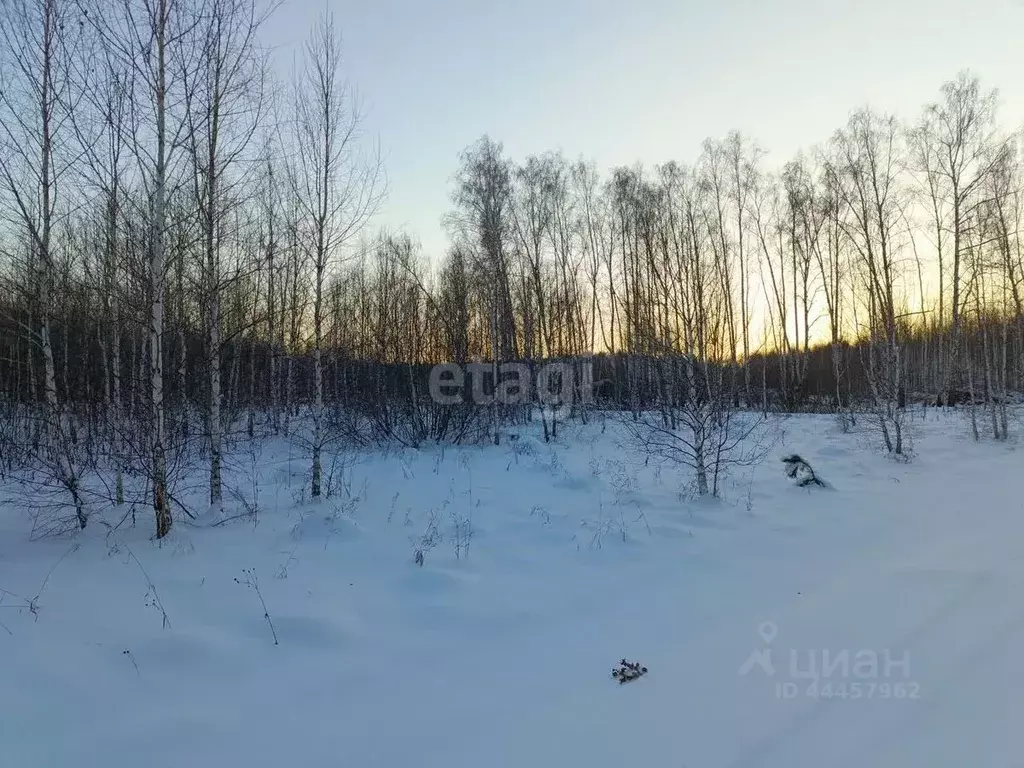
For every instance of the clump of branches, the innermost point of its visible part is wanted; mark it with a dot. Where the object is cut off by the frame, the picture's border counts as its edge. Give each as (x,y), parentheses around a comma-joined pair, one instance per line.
(429,539)
(253,583)
(18,602)
(627,671)
(401,411)
(697,424)
(249,499)
(52,462)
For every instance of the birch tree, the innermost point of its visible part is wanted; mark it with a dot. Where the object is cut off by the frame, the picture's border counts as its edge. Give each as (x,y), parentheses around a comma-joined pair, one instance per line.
(225,107)
(955,139)
(36,157)
(484,196)
(337,187)
(100,122)
(872,154)
(152,39)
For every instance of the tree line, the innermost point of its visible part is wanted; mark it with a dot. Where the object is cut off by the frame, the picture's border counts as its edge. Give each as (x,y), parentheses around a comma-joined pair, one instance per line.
(187,260)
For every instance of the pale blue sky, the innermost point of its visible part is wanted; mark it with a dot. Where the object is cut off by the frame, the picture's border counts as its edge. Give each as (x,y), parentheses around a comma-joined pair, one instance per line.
(649,80)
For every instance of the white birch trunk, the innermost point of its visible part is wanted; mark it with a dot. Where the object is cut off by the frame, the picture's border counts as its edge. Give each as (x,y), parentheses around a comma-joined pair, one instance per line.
(157,276)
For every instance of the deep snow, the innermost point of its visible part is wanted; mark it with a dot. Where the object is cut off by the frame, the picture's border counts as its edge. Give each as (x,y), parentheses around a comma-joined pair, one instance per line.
(580,555)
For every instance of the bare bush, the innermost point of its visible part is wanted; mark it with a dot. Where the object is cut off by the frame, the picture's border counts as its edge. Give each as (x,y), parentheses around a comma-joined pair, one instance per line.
(697,426)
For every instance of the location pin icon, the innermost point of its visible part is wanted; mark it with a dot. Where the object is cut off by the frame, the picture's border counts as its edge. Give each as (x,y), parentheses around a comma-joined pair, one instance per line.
(768,631)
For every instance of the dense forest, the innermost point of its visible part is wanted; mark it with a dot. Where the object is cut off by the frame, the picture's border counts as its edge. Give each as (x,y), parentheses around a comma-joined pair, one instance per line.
(190,261)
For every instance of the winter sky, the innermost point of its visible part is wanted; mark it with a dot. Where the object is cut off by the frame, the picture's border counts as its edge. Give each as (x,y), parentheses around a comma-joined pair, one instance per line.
(621,81)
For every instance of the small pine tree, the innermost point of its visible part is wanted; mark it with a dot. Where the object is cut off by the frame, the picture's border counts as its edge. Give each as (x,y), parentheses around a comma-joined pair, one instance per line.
(802,472)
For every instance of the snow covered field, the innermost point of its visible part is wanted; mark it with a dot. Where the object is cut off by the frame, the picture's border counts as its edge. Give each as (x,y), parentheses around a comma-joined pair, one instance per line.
(901,588)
